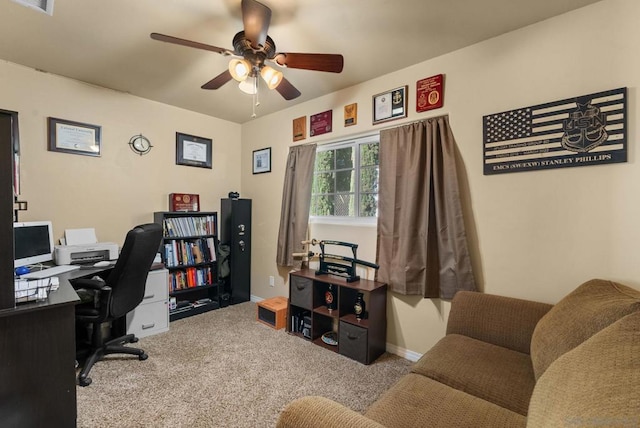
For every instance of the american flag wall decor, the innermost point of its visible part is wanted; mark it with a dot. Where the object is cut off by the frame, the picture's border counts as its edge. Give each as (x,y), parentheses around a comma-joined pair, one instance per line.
(586,130)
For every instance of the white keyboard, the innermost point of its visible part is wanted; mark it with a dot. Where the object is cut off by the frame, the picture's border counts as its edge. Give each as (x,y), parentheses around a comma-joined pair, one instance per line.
(52,271)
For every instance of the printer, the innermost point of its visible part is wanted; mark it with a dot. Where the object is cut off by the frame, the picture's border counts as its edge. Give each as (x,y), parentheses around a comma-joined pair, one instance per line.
(85,253)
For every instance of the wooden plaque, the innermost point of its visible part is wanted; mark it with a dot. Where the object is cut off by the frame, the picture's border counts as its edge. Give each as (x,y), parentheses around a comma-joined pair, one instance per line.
(300,128)
(429,93)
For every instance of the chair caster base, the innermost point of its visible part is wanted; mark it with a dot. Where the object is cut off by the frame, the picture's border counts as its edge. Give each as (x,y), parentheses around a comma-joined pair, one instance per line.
(84,381)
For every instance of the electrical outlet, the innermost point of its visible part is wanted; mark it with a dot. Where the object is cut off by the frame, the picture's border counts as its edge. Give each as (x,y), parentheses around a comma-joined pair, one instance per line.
(272,281)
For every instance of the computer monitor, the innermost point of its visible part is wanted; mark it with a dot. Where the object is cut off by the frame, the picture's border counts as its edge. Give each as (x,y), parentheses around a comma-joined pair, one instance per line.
(33,242)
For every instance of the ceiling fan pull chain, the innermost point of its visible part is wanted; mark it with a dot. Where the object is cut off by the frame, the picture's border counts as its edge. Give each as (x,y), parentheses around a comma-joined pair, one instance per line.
(256,100)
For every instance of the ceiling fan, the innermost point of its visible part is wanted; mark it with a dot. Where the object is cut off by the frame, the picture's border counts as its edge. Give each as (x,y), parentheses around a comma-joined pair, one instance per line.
(252,49)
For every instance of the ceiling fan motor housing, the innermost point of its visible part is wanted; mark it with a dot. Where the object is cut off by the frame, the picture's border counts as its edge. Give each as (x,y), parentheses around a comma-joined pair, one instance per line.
(242,47)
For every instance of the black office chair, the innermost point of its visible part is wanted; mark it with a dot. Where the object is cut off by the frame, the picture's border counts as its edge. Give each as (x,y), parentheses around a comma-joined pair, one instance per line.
(120,291)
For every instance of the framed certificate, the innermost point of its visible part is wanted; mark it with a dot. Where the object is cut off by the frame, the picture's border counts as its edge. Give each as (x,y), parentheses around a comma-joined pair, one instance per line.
(262,160)
(390,105)
(193,151)
(74,137)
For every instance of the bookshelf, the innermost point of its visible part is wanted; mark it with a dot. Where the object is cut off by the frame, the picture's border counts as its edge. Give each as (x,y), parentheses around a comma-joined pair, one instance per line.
(188,249)
(362,340)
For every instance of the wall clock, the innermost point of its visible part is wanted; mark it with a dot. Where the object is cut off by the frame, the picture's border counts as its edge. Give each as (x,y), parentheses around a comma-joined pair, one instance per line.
(140,144)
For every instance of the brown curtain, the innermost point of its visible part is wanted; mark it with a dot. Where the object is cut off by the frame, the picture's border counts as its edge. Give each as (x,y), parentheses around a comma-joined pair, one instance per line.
(422,244)
(296,202)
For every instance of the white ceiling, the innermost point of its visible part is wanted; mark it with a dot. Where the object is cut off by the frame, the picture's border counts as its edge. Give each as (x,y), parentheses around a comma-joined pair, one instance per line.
(107,43)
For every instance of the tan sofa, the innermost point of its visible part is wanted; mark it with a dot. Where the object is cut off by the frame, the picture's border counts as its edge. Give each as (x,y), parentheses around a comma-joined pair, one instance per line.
(513,363)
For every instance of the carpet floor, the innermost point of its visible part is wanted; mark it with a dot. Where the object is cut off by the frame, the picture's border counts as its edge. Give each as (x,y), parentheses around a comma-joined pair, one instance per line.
(225,369)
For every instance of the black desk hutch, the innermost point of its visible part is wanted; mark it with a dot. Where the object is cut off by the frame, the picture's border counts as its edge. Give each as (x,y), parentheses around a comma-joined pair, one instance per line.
(37,340)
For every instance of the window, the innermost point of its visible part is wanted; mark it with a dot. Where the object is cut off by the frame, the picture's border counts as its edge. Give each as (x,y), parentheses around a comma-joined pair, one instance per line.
(345,180)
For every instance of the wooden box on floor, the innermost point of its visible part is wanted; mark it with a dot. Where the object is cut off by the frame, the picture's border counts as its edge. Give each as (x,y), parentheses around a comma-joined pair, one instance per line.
(273,312)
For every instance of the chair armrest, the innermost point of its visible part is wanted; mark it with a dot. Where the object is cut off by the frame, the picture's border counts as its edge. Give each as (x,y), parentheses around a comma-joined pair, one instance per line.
(101,302)
(90,284)
(310,412)
(500,320)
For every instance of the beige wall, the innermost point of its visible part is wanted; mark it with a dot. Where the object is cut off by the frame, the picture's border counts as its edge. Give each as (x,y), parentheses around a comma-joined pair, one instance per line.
(119,189)
(533,235)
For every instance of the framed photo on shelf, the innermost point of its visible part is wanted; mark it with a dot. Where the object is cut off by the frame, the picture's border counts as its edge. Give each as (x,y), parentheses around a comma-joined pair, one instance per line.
(390,105)
(74,137)
(262,161)
(193,151)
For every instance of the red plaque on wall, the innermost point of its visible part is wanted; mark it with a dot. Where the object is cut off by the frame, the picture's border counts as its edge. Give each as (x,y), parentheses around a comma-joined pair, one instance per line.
(430,93)
(184,202)
(321,123)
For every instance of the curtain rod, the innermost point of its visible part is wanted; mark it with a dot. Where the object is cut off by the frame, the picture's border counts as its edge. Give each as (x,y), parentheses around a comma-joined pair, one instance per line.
(369,132)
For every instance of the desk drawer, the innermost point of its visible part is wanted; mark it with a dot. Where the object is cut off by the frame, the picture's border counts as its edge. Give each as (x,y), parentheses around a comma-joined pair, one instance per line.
(148,319)
(301,292)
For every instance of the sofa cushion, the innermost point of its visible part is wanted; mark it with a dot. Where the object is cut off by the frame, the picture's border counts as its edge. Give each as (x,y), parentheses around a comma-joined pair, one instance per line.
(322,412)
(588,309)
(418,401)
(499,375)
(595,384)
(503,321)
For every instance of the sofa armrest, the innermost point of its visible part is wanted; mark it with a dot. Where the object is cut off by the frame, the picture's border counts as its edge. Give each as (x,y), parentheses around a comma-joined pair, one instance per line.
(502,321)
(309,412)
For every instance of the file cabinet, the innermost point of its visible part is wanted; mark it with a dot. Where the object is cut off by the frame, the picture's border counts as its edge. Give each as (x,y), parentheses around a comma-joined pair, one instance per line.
(152,315)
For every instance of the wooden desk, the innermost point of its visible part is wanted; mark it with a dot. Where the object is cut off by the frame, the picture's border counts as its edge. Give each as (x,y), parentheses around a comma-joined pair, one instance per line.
(37,359)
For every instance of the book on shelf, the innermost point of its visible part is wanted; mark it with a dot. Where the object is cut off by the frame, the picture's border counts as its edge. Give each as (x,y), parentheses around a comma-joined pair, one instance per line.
(211,247)
(181,252)
(190,277)
(181,309)
(177,227)
(202,302)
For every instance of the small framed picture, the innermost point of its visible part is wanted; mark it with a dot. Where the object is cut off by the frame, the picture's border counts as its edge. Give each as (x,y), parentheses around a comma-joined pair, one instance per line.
(390,105)
(193,151)
(74,137)
(262,161)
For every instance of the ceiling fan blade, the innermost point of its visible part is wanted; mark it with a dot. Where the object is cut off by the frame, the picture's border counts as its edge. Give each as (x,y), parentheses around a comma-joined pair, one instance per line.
(218,81)
(332,63)
(189,43)
(287,90)
(256,18)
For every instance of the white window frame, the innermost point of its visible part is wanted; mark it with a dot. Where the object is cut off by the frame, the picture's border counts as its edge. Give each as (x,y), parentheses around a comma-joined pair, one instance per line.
(349,220)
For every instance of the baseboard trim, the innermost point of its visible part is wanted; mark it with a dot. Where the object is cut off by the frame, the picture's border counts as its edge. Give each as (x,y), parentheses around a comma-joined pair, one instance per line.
(391,348)
(402,352)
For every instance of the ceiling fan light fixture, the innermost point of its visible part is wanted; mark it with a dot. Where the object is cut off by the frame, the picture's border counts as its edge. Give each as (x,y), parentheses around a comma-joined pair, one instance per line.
(271,76)
(249,86)
(239,69)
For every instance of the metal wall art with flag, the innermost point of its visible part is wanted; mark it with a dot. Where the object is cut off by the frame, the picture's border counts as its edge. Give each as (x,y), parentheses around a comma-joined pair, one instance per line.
(586,130)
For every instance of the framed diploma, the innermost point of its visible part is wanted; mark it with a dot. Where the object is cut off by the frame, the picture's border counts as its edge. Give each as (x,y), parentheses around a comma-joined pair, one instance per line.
(390,105)
(193,151)
(74,137)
